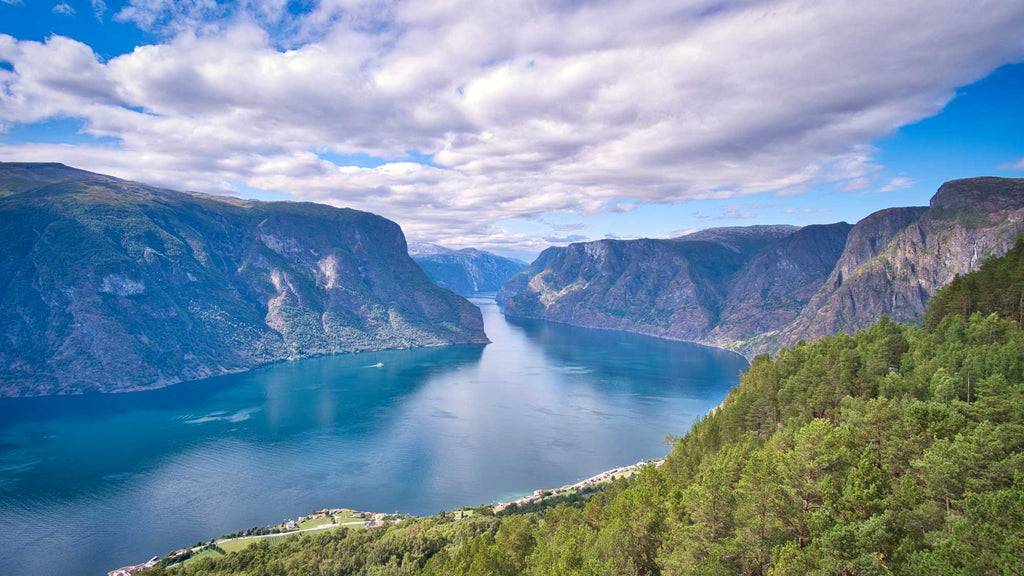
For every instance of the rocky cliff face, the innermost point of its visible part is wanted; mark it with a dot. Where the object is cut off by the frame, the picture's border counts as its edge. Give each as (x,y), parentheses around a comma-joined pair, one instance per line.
(466,271)
(756,292)
(109,285)
(772,289)
(704,287)
(896,259)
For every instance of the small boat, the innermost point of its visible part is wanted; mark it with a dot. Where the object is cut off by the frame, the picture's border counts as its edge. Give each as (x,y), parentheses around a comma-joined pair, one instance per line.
(378,365)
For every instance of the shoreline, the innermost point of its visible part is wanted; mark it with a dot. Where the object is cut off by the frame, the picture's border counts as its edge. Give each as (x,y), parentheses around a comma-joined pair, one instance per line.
(599,478)
(373,520)
(720,347)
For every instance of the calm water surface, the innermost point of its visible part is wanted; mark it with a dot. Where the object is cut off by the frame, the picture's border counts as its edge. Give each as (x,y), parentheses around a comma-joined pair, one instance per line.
(91,483)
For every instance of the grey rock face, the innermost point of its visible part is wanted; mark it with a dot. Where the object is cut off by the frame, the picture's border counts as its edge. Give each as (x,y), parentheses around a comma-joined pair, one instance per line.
(708,286)
(757,289)
(896,259)
(772,289)
(109,285)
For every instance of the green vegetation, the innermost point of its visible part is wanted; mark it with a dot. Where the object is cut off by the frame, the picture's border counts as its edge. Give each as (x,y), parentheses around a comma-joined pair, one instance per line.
(996,287)
(897,450)
(348,516)
(314,523)
(239,544)
(206,553)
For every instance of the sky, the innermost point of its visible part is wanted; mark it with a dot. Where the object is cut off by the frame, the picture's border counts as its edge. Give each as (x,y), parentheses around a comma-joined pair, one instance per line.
(515,125)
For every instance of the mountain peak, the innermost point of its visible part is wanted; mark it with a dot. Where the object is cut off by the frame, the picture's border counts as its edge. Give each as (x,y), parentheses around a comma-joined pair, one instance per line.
(983,194)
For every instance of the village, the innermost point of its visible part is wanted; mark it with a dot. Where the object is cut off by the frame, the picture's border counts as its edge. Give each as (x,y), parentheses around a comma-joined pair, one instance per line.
(324,519)
(329,518)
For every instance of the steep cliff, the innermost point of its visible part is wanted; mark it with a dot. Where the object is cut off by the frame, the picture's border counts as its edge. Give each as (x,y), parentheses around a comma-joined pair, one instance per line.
(772,289)
(757,289)
(896,259)
(679,288)
(465,271)
(109,285)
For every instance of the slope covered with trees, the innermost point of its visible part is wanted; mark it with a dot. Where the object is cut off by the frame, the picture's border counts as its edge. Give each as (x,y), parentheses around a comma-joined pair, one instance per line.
(895,450)
(997,287)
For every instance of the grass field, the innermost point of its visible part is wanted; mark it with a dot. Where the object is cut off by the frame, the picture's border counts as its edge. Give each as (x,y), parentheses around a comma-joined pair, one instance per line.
(204,554)
(237,544)
(347,517)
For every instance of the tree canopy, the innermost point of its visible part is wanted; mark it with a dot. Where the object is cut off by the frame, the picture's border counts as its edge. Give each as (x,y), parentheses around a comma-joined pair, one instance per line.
(895,450)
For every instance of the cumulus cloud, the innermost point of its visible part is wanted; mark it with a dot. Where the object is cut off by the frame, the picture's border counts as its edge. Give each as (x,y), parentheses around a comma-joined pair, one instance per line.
(63,8)
(522,108)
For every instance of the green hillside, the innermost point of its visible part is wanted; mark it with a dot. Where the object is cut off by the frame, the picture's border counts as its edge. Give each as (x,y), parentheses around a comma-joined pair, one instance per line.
(894,451)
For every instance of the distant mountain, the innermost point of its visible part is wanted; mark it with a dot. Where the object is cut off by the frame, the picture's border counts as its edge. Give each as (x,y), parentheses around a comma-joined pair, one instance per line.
(756,289)
(110,285)
(465,271)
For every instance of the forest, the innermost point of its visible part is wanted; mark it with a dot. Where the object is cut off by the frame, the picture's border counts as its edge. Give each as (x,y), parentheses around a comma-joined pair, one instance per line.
(898,450)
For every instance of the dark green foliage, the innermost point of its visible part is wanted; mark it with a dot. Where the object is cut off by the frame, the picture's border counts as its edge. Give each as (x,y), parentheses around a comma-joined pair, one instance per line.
(896,450)
(996,288)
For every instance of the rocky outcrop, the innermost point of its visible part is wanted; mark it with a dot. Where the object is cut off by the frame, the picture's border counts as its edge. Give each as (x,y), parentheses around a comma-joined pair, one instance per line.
(745,289)
(773,288)
(467,271)
(110,285)
(896,259)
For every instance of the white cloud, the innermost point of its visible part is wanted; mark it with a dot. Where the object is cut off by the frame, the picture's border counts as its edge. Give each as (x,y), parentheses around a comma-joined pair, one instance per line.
(524,107)
(63,8)
(1019,165)
(898,183)
(99,8)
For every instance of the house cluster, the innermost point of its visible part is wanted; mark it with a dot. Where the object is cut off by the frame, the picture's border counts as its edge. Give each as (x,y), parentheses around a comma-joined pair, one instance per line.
(540,494)
(127,570)
(376,520)
(316,516)
(294,524)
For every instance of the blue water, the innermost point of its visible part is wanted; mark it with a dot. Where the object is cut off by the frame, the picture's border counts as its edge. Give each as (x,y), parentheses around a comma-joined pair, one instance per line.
(91,483)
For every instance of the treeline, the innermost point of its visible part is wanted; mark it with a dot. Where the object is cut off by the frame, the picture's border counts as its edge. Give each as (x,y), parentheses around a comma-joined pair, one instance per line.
(894,451)
(997,287)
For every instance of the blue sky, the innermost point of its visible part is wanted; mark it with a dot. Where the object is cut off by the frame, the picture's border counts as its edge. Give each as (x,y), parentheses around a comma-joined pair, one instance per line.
(528,124)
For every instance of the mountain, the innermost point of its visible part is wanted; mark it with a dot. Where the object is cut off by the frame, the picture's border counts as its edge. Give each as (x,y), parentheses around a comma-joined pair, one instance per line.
(465,271)
(772,289)
(896,259)
(110,285)
(756,289)
(711,285)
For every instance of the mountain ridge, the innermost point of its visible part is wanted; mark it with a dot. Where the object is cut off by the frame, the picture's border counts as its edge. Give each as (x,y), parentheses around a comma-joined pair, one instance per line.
(112,285)
(889,263)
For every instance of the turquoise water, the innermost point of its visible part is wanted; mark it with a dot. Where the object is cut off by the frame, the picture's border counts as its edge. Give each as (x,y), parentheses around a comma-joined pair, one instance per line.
(88,484)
